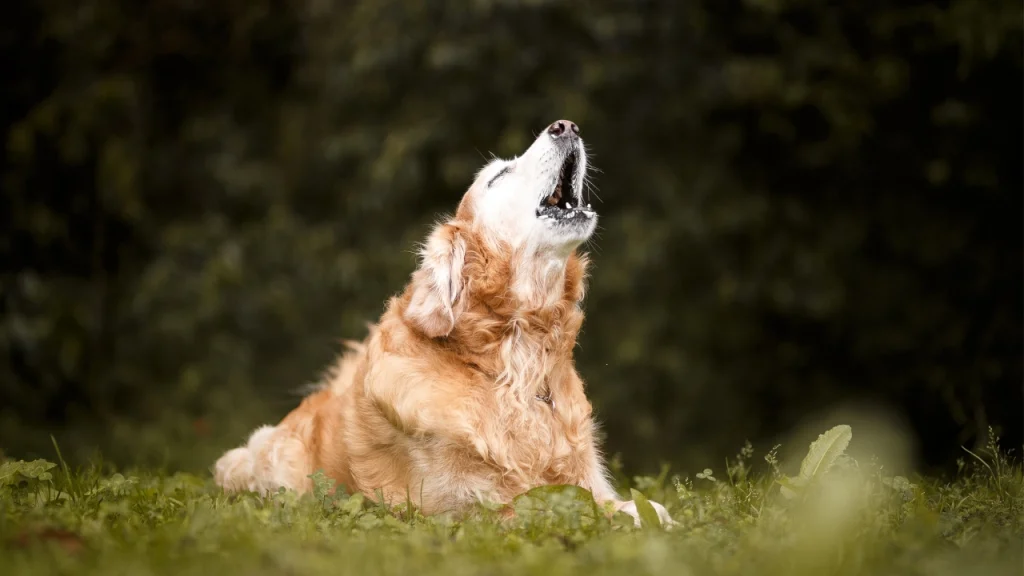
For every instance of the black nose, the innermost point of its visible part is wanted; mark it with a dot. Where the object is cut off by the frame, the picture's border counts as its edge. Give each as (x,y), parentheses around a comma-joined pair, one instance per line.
(564,129)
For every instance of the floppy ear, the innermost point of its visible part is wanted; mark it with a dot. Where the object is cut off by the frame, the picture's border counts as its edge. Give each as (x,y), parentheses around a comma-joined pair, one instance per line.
(437,284)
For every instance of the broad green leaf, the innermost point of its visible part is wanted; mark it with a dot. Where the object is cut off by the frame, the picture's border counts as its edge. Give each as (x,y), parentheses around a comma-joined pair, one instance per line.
(790,487)
(558,491)
(824,452)
(36,469)
(648,516)
(546,497)
(8,471)
(822,455)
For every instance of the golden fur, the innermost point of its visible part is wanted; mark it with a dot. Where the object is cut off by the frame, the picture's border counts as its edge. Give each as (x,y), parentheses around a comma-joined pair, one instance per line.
(446,400)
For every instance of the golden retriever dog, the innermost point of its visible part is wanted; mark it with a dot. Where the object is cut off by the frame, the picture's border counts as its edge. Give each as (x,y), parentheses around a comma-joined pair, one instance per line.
(465,390)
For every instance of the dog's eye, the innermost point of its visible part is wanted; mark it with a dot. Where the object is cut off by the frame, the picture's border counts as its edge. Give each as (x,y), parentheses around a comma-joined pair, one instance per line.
(498,175)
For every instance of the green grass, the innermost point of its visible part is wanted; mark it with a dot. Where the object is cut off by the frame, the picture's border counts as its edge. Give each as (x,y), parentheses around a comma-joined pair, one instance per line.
(838,516)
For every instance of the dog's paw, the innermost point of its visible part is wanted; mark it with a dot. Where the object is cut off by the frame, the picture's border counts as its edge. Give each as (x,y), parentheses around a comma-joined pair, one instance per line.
(629,507)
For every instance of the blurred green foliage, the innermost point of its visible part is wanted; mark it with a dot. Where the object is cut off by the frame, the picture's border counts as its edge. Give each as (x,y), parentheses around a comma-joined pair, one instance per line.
(802,204)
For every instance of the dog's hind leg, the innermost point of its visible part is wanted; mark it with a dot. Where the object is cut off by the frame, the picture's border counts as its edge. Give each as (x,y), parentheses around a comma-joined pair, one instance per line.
(274,457)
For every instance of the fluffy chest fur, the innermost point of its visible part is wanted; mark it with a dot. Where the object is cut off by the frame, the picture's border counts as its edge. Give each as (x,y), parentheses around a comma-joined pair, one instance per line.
(463,425)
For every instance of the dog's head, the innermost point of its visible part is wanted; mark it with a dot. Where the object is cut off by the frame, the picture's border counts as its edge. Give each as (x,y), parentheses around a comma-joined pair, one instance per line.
(534,202)
(524,216)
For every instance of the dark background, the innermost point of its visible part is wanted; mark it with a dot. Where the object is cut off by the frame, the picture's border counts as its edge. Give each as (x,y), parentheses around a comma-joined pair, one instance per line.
(804,205)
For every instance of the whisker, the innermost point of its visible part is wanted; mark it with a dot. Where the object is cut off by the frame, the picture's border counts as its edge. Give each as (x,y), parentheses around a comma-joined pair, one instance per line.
(592,190)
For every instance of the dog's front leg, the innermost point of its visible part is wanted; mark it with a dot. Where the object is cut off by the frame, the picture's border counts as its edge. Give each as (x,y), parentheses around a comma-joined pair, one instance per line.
(596,480)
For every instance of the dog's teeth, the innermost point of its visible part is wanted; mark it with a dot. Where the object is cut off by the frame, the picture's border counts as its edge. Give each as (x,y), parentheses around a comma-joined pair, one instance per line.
(568,205)
(588,206)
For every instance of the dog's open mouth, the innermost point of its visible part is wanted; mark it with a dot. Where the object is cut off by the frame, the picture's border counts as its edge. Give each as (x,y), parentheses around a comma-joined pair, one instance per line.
(563,203)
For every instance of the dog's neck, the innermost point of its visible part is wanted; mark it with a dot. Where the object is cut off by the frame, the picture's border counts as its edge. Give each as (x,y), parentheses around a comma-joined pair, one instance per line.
(540,320)
(538,280)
